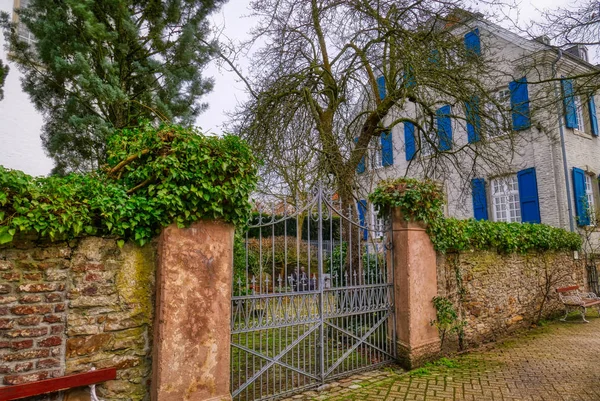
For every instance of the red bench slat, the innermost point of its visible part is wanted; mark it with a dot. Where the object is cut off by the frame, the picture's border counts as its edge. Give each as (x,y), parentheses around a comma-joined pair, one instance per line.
(567,289)
(57,384)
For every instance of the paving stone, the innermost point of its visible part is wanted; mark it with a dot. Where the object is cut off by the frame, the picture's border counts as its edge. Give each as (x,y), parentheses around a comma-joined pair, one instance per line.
(556,362)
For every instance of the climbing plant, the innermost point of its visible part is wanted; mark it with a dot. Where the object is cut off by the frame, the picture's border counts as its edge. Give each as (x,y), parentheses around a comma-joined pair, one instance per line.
(424,200)
(153,177)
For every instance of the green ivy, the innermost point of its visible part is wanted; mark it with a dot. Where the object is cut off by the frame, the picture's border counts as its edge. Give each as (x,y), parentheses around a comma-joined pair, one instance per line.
(417,200)
(153,177)
(423,201)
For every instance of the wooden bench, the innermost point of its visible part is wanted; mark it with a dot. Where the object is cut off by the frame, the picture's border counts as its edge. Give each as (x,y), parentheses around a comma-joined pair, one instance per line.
(574,299)
(58,384)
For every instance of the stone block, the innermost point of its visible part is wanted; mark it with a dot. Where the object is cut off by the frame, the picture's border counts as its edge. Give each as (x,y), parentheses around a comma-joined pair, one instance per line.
(6,324)
(53,318)
(25,344)
(28,378)
(80,346)
(24,355)
(54,298)
(33,276)
(30,332)
(56,275)
(31,309)
(57,329)
(6,265)
(44,287)
(5,288)
(30,299)
(32,320)
(50,341)
(7,299)
(47,363)
(23,367)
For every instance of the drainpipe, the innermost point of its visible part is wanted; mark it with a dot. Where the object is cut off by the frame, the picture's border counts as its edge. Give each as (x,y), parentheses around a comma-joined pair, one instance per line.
(562,143)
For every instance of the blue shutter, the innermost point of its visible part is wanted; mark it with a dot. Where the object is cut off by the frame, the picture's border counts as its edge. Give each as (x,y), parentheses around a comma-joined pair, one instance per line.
(528,196)
(409,140)
(362,211)
(381,87)
(387,149)
(583,217)
(473,119)
(480,211)
(593,117)
(444,127)
(473,43)
(519,102)
(569,102)
(361,165)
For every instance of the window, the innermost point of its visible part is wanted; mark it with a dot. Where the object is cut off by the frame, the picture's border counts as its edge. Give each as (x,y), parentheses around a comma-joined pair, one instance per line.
(497,113)
(589,195)
(505,199)
(428,140)
(22,30)
(377,223)
(582,113)
(376,159)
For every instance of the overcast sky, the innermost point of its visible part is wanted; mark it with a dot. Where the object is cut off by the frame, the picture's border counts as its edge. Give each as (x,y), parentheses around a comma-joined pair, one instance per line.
(233,17)
(20,144)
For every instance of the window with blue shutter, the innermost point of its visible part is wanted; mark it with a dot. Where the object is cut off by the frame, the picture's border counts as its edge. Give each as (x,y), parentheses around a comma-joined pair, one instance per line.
(583,217)
(473,119)
(528,196)
(473,43)
(480,210)
(519,102)
(444,127)
(409,140)
(362,212)
(593,117)
(569,103)
(381,87)
(361,165)
(387,149)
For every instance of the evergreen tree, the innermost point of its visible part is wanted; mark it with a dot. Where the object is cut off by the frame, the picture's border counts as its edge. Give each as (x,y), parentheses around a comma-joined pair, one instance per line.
(100,65)
(3,73)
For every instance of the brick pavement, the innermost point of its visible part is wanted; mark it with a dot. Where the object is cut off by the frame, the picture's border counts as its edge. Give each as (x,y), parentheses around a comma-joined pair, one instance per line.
(558,362)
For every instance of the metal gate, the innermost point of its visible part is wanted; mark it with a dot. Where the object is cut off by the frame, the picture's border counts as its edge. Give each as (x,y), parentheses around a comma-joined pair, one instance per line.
(312,298)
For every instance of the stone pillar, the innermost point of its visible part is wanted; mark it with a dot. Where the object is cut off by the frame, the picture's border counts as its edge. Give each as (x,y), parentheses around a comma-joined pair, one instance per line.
(415,285)
(191,354)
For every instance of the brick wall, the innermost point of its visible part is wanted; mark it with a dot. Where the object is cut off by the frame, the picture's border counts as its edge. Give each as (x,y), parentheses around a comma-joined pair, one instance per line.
(503,293)
(71,307)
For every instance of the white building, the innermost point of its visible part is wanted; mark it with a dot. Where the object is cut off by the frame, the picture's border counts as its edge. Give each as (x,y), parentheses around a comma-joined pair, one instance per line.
(20,123)
(548,165)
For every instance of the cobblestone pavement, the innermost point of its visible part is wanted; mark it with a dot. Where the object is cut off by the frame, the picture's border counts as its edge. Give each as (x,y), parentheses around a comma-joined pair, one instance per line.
(558,362)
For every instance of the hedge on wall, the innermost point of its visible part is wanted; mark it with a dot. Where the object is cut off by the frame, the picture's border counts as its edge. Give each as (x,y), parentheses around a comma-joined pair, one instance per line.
(153,177)
(423,201)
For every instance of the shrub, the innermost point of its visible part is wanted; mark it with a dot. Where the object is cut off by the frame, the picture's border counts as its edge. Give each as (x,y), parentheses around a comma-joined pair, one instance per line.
(153,177)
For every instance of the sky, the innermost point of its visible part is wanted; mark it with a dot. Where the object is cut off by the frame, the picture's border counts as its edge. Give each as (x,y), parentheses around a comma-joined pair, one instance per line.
(234,20)
(20,124)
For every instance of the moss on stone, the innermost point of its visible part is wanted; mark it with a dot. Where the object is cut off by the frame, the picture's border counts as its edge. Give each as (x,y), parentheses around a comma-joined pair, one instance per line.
(136,278)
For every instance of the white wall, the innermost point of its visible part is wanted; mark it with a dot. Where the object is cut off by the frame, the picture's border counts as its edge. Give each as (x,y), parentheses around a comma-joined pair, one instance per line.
(20,123)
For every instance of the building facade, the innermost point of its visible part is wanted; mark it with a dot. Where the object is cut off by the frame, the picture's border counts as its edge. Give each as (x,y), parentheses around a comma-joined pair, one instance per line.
(538,164)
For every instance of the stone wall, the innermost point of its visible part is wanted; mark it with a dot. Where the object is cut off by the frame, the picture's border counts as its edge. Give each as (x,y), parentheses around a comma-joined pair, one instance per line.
(497,294)
(68,307)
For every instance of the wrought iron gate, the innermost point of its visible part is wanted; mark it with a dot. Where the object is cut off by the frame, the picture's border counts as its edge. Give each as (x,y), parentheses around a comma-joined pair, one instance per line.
(312,298)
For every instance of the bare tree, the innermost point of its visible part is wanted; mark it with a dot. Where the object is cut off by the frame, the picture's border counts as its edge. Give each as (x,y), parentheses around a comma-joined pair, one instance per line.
(348,69)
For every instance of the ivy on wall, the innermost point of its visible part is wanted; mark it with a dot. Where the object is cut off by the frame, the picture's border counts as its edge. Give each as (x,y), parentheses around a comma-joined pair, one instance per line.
(423,201)
(154,177)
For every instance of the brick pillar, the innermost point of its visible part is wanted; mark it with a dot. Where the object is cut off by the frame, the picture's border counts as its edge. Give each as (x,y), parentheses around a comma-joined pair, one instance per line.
(415,285)
(193,313)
